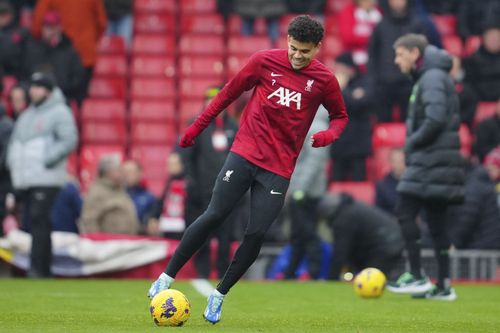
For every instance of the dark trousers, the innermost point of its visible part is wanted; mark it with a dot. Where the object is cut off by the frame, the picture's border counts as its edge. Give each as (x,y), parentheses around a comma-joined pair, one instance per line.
(304,237)
(349,169)
(39,202)
(267,194)
(388,95)
(436,216)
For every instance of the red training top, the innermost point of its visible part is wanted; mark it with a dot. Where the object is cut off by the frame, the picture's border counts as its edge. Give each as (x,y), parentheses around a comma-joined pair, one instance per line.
(281,109)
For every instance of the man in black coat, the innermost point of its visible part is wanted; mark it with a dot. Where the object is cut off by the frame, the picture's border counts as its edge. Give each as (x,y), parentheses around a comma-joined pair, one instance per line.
(434,175)
(487,134)
(364,236)
(55,53)
(6,126)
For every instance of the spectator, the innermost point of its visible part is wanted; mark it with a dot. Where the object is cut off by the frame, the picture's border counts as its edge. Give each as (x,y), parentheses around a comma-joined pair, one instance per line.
(120,21)
(492,165)
(6,126)
(442,7)
(314,7)
(431,31)
(472,14)
(386,196)
(84,22)
(476,223)
(203,162)
(142,198)
(107,207)
(356,23)
(43,137)
(389,85)
(466,94)
(364,236)
(350,151)
(482,69)
(271,10)
(487,134)
(19,100)
(307,187)
(67,208)
(166,217)
(54,52)
(12,41)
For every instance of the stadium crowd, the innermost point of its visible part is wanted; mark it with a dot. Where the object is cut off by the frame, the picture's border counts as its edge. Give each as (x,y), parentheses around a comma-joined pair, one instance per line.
(133,73)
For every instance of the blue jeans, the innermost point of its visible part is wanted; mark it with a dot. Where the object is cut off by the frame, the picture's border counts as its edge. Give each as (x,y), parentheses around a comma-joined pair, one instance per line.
(122,27)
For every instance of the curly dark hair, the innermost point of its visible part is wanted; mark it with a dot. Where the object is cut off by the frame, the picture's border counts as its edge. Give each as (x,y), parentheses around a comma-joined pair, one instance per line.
(305,29)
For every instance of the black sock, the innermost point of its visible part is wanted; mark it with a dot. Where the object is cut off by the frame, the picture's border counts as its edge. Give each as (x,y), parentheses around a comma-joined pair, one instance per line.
(443,261)
(413,249)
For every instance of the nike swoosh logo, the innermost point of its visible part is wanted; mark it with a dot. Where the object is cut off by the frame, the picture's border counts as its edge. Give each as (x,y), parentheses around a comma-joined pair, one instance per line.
(274,74)
(273,192)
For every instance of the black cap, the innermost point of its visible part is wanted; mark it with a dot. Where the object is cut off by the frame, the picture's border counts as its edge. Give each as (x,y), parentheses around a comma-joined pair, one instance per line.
(42,80)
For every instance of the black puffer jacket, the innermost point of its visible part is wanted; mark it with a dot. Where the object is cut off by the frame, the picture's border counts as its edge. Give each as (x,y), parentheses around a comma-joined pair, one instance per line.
(482,72)
(476,223)
(435,168)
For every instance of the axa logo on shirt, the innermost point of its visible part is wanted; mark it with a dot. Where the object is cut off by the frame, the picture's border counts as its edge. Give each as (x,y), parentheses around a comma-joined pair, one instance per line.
(285,97)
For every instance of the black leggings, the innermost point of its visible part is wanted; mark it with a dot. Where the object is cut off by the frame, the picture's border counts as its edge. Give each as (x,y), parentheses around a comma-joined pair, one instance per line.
(267,192)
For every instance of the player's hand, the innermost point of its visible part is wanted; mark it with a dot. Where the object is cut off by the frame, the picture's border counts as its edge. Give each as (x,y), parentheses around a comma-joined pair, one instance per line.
(322,139)
(189,135)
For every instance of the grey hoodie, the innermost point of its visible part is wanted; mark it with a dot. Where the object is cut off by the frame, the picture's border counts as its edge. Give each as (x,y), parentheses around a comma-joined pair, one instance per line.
(42,139)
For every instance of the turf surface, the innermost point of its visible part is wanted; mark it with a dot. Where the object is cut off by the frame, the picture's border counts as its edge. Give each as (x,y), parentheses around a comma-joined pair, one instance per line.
(122,306)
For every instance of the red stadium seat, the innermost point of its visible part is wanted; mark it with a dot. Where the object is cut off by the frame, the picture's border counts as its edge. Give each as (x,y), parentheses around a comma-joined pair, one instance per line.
(196,87)
(247,45)
(145,44)
(72,165)
(198,6)
(26,18)
(389,135)
(362,191)
(332,47)
(154,23)
(202,45)
(153,132)
(8,83)
(235,63)
(152,88)
(485,110)
(202,24)
(235,24)
(103,110)
(108,88)
(379,163)
(152,159)
(146,110)
(113,132)
(453,44)
(188,109)
(283,25)
(155,6)
(202,66)
(159,66)
(465,140)
(109,65)
(332,25)
(472,44)
(445,24)
(89,160)
(111,45)
(334,6)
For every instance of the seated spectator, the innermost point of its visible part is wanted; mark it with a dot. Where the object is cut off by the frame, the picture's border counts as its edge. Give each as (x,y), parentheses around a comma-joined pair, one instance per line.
(120,21)
(350,151)
(487,134)
(386,196)
(166,217)
(482,69)
(107,206)
(19,100)
(492,165)
(142,198)
(475,224)
(67,208)
(356,23)
(53,52)
(472,14)
(13,41)
(364,236)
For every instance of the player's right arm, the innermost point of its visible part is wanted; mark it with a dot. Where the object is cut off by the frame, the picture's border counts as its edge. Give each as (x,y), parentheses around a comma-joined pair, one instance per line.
(245,80)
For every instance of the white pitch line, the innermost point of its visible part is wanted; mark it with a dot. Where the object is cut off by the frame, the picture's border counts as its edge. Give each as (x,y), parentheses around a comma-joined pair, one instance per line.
(202,286)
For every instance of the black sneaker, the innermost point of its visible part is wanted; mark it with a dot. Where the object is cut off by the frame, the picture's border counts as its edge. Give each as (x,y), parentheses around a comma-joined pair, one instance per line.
(408,284)
(439,294)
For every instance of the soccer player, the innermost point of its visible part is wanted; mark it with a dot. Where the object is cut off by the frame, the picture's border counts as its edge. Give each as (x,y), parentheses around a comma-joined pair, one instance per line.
(289,86)
(434,174)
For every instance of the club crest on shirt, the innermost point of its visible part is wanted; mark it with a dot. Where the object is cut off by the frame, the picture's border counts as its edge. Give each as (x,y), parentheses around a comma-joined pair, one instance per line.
(309,85)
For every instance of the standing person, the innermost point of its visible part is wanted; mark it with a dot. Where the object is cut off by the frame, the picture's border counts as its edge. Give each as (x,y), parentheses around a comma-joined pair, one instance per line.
(43,137)
(434,174)
(307,186)
(202,163)
(289,87)
(6,125)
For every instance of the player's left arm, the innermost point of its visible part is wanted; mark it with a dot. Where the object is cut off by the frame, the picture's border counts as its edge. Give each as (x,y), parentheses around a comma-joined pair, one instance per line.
(334,104)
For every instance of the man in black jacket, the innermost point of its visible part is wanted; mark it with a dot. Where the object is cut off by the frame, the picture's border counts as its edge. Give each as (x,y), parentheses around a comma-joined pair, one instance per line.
(487,134)
(434,175)
(364,236)
(6,126)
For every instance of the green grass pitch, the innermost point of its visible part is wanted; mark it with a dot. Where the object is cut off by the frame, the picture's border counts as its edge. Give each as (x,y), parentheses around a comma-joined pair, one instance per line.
(62,305)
